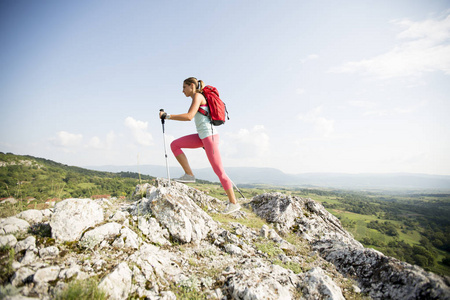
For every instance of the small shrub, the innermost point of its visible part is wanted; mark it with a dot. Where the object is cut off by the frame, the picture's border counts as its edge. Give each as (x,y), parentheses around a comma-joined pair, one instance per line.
(188,289)
(82,290)
(270,248)
(295,267)
(41,230)
(6,259)
(8,290)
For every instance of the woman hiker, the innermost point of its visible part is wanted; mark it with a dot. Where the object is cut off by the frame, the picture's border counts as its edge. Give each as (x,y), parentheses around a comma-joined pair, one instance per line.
(203,138)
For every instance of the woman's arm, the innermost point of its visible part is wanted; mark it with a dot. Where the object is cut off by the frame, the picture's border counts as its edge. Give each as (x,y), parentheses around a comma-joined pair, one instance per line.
(198,98)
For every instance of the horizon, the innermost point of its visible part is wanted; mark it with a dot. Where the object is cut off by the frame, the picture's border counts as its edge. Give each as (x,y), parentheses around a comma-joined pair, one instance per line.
(311,87)
(274,168)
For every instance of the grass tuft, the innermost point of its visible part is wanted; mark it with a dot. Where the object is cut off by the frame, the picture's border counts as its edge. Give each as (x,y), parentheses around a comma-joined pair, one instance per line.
(82,290)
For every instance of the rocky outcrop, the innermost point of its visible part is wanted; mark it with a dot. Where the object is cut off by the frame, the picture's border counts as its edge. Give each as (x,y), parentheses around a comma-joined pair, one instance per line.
(73,216)
(380,276)
(169,241)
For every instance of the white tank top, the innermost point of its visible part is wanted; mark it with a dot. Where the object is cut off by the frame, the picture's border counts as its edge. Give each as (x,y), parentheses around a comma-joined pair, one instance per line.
(203,124)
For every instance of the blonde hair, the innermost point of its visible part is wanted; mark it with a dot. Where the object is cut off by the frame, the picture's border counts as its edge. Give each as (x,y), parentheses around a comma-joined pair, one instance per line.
(199,84)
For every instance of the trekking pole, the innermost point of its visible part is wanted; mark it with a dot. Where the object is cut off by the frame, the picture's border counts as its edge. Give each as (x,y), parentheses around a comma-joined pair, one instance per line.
(238,189)
(165,151)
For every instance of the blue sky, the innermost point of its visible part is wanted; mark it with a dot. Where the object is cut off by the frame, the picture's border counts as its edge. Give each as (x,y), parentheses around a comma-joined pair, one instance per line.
(311,86)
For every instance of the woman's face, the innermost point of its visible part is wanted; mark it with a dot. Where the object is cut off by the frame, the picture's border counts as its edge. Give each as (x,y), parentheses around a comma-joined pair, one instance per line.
(188,89)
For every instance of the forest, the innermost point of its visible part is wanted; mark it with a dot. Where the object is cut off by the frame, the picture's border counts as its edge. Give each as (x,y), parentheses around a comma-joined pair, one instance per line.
(28,178)
(411,227)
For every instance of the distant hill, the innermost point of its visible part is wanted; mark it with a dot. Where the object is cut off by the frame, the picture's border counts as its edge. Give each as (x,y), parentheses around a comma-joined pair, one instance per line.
(272,176)
(23,176)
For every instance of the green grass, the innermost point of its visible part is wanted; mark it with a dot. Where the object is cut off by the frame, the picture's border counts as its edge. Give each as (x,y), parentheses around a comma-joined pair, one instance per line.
(251,221)
(82,290)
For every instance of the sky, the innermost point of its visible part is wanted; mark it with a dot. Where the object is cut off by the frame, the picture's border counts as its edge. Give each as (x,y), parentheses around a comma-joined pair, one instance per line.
(311,86)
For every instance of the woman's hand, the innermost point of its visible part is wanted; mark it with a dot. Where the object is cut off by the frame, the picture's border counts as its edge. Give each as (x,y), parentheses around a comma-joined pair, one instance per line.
(162,114)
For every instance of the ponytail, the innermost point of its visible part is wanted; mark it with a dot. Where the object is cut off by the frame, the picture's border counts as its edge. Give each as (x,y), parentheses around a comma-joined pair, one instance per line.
(199,84)
(200,87)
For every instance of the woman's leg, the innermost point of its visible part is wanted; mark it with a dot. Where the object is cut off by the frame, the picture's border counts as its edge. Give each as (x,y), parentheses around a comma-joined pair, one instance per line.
(189,141)
(211,145)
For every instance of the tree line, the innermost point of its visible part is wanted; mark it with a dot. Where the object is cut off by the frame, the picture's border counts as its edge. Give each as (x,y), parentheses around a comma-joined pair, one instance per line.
(25,177)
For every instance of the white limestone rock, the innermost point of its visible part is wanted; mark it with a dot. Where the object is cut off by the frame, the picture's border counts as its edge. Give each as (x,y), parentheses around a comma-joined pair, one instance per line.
(182,217)
(93,237)
(28,243)
(117,284)
(156,265)
(317,285)
(46,274)
(256,280)
(73,216)
(8,240)
(22,276)
(13,225)
(153,231)
(31,216)
(306,217)
(49,252)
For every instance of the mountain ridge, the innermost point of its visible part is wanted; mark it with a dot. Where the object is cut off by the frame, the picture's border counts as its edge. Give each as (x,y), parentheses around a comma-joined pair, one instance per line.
(273,176)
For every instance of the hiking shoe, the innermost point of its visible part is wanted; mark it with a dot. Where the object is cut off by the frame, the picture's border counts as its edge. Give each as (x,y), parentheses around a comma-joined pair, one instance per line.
(231,207)
(186,178)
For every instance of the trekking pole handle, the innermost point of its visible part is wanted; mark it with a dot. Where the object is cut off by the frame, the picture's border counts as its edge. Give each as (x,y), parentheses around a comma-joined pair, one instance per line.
(162,119)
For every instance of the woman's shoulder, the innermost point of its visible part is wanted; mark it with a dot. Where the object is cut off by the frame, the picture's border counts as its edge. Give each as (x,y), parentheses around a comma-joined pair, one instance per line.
(200,98)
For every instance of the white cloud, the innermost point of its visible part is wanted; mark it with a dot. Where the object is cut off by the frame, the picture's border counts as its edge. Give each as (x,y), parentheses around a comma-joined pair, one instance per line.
(66,139)
(96,143)
(139,131)
(250,144)
(423,47)
(323,127)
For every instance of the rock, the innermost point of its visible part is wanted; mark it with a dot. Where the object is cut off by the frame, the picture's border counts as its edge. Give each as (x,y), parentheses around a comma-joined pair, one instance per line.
(22,276)
(93,237)
(257,280)
(182,217)
(8,240)
(151,229)
(12,225)
(233,249)
(49,252)
(119,216)
(117,284)
(70,272)
(9,200)
(303,216)
(318,285)
(29,257)
(156,265)
(382,276)
(27,244)
(46,213)
(264,231)
(141,190)
(46,274)
(168,295)
(127,239)
(73,216)
(31,216)
(220,261)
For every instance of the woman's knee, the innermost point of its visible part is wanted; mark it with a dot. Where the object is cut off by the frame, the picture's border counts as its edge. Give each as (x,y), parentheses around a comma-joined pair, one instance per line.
(176,149)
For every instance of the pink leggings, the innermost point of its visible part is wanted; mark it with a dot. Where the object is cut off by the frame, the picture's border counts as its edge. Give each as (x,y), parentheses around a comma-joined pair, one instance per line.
(211,147)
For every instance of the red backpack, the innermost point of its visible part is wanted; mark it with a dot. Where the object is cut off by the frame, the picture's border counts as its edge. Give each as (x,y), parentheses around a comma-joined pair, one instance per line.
(217,108)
